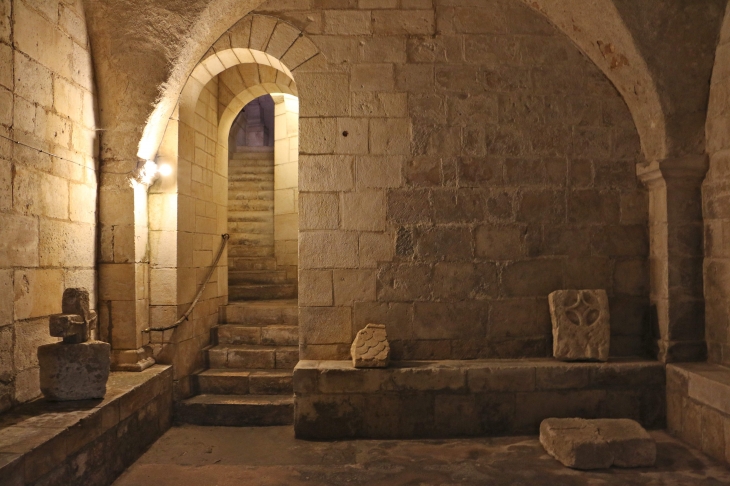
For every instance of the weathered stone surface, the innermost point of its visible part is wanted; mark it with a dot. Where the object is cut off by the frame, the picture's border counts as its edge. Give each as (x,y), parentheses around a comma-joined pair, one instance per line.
(72,328)
(370,349)
(74,371)
(597,444)
(76,301)
(581,325)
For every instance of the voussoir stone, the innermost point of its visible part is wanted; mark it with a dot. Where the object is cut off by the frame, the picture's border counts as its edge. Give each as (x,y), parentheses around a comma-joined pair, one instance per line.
(74,371)
(597,444)
(370,349)
(581,325)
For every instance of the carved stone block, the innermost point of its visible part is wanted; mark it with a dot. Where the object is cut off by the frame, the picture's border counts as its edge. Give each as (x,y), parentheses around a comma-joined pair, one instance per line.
(73,328)
(370,349)
(74,371)
(76,301)
(581,325)
(597,444)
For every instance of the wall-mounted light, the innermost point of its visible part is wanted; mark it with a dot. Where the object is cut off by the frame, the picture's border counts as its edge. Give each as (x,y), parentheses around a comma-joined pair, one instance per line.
(149,170)
(164,169)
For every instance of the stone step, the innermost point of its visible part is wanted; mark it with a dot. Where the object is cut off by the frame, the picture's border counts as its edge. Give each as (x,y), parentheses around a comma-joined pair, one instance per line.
(246,264)
(250,195)
(253,156)
(251,251)
(244,382)
(250,239)
(253,167)
(250,228)
(249,278)
(262,292)
(284,312)
(271,335)
(236,187)
(252,217)
(253,356)
(236,410)
(257,171)
(240,205)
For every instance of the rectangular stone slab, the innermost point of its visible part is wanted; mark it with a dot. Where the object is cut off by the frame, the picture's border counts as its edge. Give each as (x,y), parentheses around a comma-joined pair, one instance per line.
(597,444)
(581,325)
(74,371)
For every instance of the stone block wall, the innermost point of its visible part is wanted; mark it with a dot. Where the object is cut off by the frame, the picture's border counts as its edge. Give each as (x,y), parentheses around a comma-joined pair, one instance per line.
(48,180)
(187,218)
(458,162)
(698,407)
(716,210)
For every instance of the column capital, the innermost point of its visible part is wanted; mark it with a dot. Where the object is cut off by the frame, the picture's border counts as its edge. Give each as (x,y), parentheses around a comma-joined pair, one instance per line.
(690,169)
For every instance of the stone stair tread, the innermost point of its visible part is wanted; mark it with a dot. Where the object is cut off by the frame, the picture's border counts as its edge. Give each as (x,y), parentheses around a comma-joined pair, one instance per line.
(245,372)
(241,399)
(254,347)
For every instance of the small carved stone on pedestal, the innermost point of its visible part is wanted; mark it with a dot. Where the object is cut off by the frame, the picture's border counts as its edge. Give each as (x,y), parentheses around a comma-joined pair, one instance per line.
(75,369)
(370,349)
(581,325)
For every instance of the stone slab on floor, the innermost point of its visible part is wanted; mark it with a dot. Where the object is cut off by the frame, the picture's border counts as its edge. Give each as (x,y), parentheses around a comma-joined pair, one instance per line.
(597,444)
(268,456)
(418,399)
(88,442)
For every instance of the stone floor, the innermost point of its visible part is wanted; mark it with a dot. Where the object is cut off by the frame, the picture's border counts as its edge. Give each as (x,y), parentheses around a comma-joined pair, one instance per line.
(222,456)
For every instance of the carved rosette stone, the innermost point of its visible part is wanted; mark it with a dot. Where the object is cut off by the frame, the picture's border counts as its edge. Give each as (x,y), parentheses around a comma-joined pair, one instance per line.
(581,325)
(370,349)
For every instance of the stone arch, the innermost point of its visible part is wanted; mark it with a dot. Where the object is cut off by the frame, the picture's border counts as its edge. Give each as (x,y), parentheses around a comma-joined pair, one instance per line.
(272,41)
(188,211)
(607,41)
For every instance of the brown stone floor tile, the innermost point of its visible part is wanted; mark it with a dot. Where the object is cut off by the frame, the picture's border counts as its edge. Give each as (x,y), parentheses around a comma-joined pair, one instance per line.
(223,456)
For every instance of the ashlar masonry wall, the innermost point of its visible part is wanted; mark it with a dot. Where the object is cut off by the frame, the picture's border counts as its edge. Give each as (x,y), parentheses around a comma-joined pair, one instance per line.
(47,202)
(459,161)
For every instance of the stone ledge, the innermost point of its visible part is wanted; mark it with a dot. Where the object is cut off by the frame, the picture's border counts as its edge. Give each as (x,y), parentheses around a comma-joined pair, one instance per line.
(89,441)
(475,397)
(698,406)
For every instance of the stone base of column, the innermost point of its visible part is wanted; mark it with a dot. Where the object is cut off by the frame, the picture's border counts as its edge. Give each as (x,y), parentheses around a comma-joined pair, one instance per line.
(681,351)
(131,359)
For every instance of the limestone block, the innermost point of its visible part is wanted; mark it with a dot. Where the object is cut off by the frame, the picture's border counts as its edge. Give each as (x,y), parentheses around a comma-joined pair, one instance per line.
(73,328)
(581,324)
(597,444)
(370,349)
(74,371)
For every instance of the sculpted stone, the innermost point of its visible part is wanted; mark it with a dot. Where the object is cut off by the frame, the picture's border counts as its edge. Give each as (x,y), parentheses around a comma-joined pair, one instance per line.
(597,444)
(74,371)
(581,325)
(370,348)
(71,327)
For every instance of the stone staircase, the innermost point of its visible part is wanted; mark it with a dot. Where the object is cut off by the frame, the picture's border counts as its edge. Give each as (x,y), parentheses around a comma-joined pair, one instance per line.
(249,377)
(252,272)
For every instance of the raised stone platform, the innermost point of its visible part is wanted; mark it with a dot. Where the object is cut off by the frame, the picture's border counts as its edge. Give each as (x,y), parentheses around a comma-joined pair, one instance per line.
(698,407)
(414,399)
(88,442)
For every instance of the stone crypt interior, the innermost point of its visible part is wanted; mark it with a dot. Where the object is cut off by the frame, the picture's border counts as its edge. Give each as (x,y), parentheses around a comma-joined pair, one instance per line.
(240,187)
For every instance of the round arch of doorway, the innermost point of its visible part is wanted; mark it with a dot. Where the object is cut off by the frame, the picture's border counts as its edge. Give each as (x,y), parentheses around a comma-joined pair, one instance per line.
(188,211)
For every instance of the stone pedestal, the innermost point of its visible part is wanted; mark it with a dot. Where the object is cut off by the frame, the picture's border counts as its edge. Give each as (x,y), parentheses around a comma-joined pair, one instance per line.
(74,371)
(581,325)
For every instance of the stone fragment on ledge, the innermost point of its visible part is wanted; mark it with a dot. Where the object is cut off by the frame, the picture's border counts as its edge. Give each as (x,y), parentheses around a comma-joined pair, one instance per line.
(74,371)
(597,444)
(581,325)
(73,328)
(370,349)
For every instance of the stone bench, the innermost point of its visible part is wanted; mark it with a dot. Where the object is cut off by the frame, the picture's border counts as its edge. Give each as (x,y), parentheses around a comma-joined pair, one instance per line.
(333,400)
(88,442)
(698,406)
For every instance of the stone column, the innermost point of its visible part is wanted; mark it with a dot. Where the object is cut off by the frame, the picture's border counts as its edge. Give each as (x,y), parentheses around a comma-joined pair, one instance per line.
(123,266)
(676,238)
